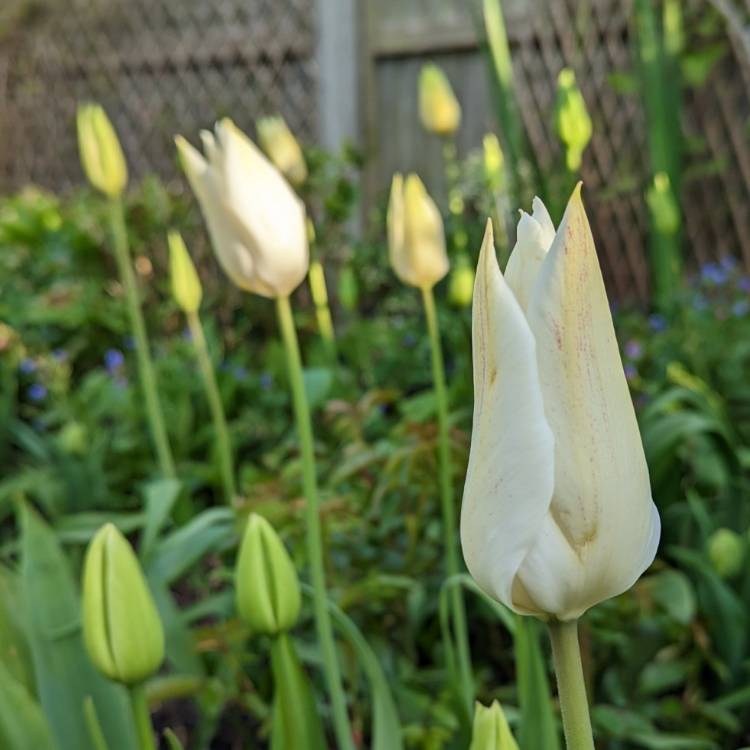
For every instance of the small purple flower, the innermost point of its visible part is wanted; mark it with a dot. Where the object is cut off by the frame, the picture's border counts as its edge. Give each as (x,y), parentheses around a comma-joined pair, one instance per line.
(741,308)
(657,322)
(744,284)
(714,274)
(37,392)
(266,381)
(631,371)
(27,366)
(60,355)
(239,372)
(728,263)
(114,359)
(633,349)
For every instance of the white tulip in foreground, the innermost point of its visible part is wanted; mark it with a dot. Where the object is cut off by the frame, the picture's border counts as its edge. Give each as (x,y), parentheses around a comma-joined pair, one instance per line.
(256,222)
(557,512)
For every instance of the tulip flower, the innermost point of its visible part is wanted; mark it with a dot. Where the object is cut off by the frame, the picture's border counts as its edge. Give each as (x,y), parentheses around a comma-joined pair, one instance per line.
(726,550)
(282,148)
(101,154)
(572,119)
(121,626)
(439,109)
(268,593)
(186,286)
(491,730)
(416,238)
(256,222)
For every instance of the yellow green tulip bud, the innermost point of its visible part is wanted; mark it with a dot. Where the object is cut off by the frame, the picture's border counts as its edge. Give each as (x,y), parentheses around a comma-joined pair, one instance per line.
(494,161)
(121,626)
(186,286)
(267,588)
(73,439)
(101,154)
(663,205)
(348,288)
(438,107)
(282,148)
(726,551)
(461,288)
(491,730)
(572,119)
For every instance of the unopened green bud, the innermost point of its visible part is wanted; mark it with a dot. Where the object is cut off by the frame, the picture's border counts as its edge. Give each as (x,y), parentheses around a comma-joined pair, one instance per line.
(494,161)
(726,551)
(73,439)
(122,631)
(663,205)
(267,588)
(186,286)
(572,119)
(348,288)
(491,730)
(438,107)
(282,148)
(461,288)
(101,154)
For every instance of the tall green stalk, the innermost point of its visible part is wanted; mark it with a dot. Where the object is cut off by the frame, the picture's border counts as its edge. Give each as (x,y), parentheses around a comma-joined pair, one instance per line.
(145,365)
(142,716)
(452,560)
(571,687)
(218,417)
(341,724)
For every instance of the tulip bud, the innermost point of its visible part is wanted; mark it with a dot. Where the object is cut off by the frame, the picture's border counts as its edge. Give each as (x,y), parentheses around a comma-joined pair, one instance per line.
(282,148)
(461,283)
(557,513)
(491,730)
(726,551)
(348,288)
(493,161)
(572,119)
(416,238)
(121,626)
(256,222)
(662,204)
(267,588)
(186,286)
(438,107)
(73,439)
(101,153)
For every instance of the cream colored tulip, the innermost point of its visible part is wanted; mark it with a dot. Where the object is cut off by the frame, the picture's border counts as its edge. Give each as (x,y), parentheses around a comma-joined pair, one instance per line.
(416,238)
(100,150)
(256,222)
(439,109)
(557,512)
(282,148)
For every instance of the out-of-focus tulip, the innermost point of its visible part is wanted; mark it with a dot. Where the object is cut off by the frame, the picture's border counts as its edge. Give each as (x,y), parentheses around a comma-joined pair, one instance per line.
(256,222)
(726,551)
(494,161)
(101,154)
(438,107)
(121,626)
(186,286)
(282,148)
(267,587)
(557,512)
(461,285)
(663,205)
(491,730)
(416,237)
(572,119)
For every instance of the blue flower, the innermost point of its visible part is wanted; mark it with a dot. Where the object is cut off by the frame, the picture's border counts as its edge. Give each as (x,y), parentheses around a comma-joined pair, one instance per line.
(714,274)
(744,284)
(728,263)
(633,349)
(239,372)
(631,371)
(741,308)
(27,366)
(60,355)
(657,322)
(114,359)
(36,392)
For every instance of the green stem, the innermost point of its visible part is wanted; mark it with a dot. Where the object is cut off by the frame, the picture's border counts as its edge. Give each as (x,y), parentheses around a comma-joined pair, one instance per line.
(145,366)
(142,716)
(313,530)
(571,688)
(223,442)
(453,564)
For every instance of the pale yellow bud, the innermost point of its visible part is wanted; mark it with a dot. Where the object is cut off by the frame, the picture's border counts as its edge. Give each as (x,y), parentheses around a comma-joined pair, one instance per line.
(101,154)
(491,730)
(186,286)
(438,107)
(282,148)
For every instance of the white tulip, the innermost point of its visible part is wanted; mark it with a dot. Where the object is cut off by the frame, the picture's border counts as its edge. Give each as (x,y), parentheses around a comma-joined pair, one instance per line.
(557,512)
(256,222)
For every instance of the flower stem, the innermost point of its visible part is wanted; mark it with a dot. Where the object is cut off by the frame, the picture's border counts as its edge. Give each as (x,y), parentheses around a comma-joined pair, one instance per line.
(453,565)
(142,716)
(223,442)
(145,366)
(313,531)
(319,293)
(571,688)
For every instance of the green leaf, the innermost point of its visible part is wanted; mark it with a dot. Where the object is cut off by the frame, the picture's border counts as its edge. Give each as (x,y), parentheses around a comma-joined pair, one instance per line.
(172,740)
(22,723)
(160,496)
(53,610)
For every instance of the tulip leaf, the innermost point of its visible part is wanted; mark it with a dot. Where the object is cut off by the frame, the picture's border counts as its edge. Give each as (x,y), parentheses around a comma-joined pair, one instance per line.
(22,723)
(160,496)
(172,740)
(58,654)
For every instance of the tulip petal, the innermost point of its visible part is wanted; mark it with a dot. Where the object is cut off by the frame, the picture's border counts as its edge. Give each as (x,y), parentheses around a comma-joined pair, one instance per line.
(509,482)
(602,502)
(534,237)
